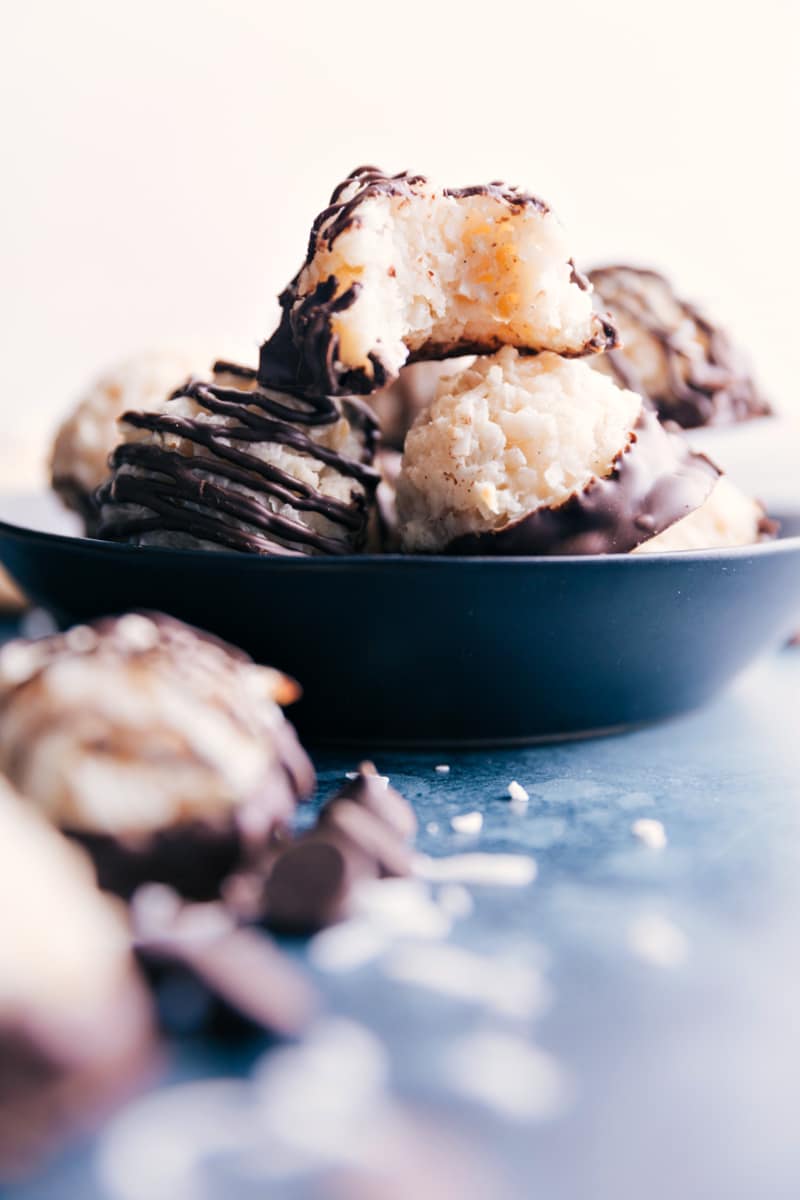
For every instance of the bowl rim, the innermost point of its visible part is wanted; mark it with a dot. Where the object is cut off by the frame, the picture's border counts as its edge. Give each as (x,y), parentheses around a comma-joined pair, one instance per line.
(100,546)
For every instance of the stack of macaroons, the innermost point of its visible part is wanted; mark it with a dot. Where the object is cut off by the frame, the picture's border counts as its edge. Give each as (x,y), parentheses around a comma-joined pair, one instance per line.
(520,450)
(524,451)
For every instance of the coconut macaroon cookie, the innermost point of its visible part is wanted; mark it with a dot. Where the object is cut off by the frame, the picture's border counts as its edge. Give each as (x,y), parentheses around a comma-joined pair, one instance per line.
(162,750)
(672,354)
(545,456)
(228,464)
(399,268)
(75,1020)
(79,459)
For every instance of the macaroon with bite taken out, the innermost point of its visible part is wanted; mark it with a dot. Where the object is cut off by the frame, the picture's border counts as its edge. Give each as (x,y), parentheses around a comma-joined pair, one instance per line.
(401,269)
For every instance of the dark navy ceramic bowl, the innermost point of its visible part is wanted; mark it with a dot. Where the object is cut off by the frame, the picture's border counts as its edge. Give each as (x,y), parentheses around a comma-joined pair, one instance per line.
(422,651)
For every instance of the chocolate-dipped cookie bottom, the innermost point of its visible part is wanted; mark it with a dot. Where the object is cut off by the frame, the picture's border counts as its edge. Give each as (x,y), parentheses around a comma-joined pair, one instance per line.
(656,480)
(196,856)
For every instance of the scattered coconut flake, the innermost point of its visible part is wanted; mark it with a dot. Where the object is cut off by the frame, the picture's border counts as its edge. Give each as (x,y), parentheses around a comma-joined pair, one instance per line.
(515,1078)
(382,779)
(442,769)
(347,946)
(455,900)
(657,940)
(509,988)
(517,792)
(500,870)
(651,832)
(401,907)
(468,822)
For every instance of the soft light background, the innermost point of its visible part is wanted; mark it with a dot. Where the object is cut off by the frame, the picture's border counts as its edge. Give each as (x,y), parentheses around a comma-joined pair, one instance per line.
(162,159)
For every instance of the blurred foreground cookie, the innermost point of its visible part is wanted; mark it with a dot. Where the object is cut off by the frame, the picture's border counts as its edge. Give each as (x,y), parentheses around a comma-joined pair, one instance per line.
(11,598)
(75,1019)
(545,456)
(162,750)
(79,459)
(228,464)
(688,368)
(399,268)
(362,833)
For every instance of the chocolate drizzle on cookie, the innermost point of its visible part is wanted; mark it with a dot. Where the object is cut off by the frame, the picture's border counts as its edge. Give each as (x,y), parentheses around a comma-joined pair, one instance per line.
(223,493)
(703,379)
(655,481)
(305,346)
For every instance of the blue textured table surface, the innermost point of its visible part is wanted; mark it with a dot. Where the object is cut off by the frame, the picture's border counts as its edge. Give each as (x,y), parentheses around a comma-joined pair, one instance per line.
(668,1007)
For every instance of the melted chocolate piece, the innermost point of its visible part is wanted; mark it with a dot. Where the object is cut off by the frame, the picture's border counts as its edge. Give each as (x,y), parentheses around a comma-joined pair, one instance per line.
(656,480)
(194,857)
(304,346)
(361,833)
(210,975)
(310,885)
(705,381)
(370,791)
(179,495)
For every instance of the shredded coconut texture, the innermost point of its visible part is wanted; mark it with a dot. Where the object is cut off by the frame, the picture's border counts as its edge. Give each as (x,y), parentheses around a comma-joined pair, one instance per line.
(89,434)
(507,436)
(435,270)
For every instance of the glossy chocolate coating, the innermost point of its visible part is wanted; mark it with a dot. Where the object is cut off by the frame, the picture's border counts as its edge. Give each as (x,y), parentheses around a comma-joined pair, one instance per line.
(703,378)
(178,495)
(656,480)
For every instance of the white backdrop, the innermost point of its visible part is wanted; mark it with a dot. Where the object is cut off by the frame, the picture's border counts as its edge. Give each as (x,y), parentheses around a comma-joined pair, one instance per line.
(162,159)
